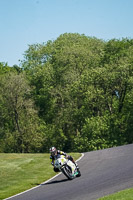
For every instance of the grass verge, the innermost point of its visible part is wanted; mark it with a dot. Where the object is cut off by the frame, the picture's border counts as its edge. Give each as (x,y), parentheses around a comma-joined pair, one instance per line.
(123,195)
(19,172)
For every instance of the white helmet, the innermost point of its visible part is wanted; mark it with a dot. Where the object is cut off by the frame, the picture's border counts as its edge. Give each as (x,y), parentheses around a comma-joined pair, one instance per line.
(53,150)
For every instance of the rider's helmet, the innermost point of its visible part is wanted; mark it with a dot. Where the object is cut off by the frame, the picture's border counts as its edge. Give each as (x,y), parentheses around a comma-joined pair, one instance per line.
(53,150)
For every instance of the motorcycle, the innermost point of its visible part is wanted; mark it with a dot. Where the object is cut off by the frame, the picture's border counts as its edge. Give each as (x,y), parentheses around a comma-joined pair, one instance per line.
(67,167)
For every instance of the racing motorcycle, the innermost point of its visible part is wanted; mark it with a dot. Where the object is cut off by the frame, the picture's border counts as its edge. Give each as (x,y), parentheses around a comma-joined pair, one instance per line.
(67,167)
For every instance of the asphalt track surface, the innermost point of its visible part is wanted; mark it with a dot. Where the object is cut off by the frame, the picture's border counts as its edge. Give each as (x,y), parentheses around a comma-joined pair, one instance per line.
(103,172)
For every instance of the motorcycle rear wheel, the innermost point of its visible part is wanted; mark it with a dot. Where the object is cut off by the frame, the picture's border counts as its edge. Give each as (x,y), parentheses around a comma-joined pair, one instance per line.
(79,174)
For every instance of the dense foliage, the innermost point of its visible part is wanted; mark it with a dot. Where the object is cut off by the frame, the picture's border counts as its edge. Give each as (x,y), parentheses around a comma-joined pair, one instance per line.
(74,93)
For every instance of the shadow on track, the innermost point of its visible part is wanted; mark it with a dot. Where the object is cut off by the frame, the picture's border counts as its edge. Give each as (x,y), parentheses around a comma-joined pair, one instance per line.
(53,182)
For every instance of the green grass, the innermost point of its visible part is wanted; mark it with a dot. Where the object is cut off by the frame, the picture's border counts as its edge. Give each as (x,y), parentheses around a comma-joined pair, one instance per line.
(19,172)
(123,195)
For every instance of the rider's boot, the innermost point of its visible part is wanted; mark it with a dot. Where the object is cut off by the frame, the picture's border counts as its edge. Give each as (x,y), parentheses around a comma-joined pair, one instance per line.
(77,166)
(79,173)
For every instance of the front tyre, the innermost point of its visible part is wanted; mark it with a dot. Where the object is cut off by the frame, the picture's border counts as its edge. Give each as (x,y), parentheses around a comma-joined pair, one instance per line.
(67,173)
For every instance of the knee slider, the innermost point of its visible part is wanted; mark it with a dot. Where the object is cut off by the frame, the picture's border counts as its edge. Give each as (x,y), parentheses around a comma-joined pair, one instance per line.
(70,158)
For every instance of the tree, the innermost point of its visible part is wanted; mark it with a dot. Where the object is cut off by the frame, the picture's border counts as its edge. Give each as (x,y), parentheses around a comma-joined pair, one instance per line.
(57,80)
(82,87)
(19,119)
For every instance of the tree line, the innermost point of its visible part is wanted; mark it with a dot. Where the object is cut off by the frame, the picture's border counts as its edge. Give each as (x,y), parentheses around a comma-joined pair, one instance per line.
(74,93)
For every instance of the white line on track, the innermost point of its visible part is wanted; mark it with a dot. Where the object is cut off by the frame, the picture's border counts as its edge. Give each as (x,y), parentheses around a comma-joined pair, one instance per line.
(41,183)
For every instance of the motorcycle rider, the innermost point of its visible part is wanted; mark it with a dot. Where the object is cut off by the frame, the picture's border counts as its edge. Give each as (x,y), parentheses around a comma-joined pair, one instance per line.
(53,154)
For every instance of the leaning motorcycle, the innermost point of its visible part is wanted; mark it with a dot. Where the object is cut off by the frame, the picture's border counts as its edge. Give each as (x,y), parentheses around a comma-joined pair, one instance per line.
(67,167)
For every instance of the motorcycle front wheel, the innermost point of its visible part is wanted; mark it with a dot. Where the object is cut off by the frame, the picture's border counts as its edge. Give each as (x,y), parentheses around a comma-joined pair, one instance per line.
(67,173)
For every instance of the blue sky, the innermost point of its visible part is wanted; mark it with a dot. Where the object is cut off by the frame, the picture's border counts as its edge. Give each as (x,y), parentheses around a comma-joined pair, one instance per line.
(26,22)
